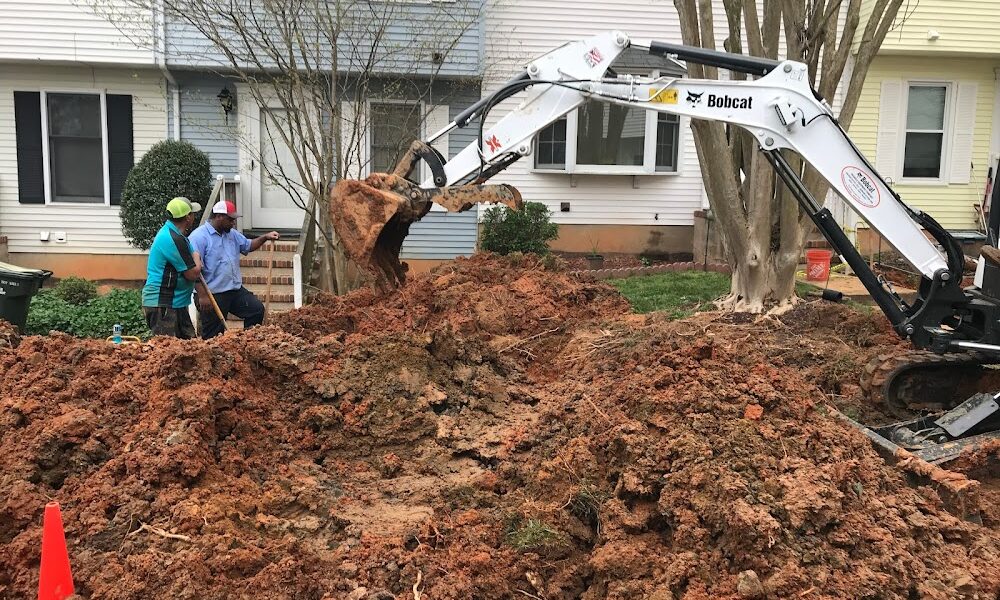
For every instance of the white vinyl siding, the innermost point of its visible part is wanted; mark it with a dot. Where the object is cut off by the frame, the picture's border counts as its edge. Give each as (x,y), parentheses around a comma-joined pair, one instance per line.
(89,228)
(70,30)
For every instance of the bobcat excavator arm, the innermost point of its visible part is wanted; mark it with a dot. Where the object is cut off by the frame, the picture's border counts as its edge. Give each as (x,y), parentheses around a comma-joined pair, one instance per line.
(957,328)
(779,109)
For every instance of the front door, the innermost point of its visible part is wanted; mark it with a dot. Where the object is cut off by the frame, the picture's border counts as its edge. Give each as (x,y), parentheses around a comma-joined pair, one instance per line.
(276,196)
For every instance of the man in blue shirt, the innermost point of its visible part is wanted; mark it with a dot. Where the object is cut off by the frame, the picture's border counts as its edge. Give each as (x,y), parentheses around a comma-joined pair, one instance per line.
(220,247)
(171,272)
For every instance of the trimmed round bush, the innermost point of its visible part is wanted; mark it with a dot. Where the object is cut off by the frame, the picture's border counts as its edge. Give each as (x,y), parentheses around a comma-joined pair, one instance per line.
(527,230)
(168,170)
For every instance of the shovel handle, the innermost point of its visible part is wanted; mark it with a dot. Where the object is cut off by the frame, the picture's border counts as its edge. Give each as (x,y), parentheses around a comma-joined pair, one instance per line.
(270,268)
(215,305)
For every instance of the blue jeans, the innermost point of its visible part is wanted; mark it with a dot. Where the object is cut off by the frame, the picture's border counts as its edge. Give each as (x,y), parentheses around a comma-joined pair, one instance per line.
(241,303)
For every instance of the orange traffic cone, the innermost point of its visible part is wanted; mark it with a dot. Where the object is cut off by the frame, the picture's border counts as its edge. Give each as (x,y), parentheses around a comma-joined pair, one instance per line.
(55,582)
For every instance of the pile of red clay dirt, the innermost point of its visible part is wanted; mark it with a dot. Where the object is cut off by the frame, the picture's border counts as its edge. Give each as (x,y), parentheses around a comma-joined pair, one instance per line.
(493,430)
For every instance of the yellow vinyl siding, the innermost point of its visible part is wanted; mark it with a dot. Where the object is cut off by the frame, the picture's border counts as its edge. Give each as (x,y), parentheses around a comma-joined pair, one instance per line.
(966,27)
(951,204)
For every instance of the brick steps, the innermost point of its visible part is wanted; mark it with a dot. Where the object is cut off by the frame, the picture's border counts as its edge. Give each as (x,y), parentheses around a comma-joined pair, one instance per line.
(276,279)
(279,263)
(255,272)
(289,247)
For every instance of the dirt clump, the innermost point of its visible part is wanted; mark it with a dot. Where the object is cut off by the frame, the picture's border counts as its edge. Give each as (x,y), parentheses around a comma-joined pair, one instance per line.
(372,219)
(492,430)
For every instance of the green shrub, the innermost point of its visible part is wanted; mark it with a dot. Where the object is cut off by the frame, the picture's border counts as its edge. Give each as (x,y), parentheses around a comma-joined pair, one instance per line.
(527,230)
(93,319)
(76,290)
(168,170)
(48,312)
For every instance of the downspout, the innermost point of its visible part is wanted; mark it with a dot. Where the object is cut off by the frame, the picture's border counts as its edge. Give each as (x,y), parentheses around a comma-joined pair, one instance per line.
(161,61)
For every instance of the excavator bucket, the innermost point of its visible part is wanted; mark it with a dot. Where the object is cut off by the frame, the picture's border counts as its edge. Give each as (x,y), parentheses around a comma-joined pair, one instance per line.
(922,464)
(372,216)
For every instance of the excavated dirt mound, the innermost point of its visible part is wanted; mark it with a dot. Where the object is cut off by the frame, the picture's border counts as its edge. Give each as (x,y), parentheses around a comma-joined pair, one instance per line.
(491,431)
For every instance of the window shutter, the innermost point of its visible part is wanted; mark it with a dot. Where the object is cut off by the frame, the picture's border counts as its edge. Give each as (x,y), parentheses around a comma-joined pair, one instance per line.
(960,165)
(120,150)
(28,128)
(890,127)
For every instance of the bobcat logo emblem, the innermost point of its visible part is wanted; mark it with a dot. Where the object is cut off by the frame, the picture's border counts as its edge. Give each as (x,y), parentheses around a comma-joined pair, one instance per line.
(694,99)
(593,57)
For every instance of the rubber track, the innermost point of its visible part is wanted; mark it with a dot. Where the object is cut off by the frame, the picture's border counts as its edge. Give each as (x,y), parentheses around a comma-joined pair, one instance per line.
(882,371)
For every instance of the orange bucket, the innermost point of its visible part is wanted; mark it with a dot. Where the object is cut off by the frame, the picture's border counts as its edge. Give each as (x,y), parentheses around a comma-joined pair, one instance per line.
(818,264)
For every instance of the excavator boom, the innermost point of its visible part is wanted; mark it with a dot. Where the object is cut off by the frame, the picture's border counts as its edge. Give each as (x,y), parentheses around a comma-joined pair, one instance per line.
(782,113)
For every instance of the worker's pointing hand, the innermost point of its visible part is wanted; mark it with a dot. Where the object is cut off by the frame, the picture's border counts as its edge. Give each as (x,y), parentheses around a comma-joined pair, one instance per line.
(272,236)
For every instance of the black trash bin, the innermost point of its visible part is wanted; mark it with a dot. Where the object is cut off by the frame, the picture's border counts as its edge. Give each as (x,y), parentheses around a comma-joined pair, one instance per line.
(17,286)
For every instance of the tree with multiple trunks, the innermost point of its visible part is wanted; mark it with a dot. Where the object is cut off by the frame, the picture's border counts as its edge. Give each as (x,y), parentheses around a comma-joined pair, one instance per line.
(762,227)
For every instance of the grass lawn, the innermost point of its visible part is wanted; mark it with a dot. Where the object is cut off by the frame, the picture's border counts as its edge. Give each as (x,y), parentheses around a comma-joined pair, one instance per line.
(685,293)
(679,294)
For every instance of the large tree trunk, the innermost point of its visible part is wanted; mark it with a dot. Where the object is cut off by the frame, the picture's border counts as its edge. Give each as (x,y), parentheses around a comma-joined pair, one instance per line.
(761,224)
(767,284)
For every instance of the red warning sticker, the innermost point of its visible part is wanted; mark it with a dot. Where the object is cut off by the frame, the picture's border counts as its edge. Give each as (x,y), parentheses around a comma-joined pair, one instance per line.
(860,186)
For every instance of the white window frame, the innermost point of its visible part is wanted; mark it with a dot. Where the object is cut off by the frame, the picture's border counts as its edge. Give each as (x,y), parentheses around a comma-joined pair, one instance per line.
(947,133)
(422,107)
(47,165)
(648,166)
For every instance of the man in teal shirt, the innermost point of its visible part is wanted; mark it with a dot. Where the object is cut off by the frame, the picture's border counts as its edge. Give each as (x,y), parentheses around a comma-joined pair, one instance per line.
(171,273)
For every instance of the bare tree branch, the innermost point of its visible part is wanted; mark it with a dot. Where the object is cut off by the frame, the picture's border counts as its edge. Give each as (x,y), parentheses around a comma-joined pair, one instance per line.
(303,62)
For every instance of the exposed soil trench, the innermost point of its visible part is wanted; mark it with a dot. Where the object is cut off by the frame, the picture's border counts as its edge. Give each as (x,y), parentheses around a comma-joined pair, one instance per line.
(489,431)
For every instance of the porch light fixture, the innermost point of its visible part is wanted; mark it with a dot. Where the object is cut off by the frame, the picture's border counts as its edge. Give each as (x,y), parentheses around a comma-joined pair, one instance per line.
(226,101)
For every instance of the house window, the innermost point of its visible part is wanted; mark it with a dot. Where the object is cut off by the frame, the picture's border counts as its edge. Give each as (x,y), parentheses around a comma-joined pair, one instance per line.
(611,139)
(609,134)
(667,133)
(76,147)
(926,108)
(72,147)
(551,152)
(393,127)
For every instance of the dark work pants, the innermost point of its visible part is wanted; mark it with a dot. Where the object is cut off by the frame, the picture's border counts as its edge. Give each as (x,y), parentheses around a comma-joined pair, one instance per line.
(241,303)
(174,322)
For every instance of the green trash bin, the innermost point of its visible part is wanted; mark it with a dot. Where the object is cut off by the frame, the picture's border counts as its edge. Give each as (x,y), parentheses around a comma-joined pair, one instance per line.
(17,286)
